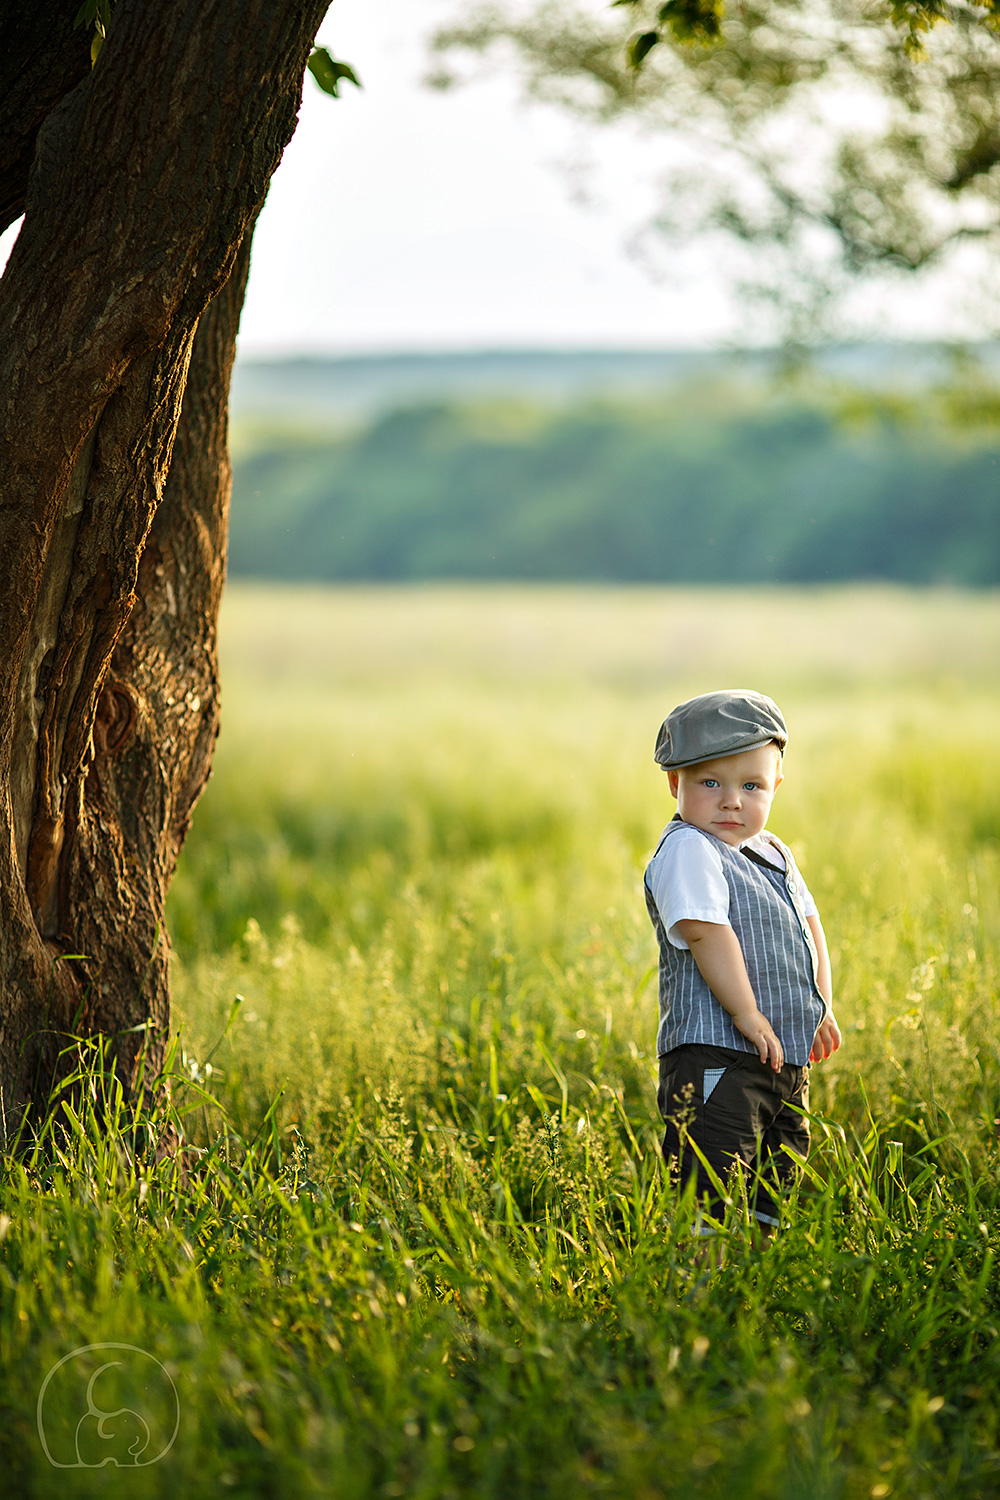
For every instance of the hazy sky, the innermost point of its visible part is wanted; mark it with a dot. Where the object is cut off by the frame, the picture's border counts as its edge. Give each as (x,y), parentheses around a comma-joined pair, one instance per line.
(404,218)
(400,218)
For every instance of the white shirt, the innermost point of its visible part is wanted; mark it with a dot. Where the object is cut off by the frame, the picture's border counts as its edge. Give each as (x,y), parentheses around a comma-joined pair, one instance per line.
(688,883)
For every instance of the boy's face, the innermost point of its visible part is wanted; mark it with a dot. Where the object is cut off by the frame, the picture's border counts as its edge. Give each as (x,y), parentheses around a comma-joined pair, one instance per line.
(729,797)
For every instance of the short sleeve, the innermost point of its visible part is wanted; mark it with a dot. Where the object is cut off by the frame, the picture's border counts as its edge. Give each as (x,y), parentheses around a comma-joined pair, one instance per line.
(809,907)
(687,883)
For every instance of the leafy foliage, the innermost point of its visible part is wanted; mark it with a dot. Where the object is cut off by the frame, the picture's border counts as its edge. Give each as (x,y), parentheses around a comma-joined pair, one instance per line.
(828,138)
(95,14)
(699,487)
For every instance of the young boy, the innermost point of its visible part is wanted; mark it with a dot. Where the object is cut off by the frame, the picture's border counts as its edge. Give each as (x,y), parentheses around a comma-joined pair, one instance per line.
(745,993)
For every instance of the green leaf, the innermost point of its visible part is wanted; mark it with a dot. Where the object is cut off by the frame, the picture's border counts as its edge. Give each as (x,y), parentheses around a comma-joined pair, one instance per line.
(329,73)
(693,20)
(640,47)
(95,13)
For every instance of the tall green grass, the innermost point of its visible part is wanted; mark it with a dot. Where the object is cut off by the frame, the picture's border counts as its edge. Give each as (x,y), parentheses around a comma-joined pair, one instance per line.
(423,1245)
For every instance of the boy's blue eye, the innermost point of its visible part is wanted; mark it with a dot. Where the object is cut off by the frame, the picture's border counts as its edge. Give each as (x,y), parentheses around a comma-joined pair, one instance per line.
(750,786)
(710,781)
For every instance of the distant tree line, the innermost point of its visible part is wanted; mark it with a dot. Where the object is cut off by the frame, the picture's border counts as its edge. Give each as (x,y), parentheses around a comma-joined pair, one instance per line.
(699,489)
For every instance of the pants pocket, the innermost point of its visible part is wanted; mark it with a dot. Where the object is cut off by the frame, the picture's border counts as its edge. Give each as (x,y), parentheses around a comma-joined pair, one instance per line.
(710,1078)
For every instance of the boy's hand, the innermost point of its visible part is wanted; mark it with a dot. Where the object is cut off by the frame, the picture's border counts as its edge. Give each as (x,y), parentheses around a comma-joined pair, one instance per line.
(827,1039)
(757,1029)
(716,950)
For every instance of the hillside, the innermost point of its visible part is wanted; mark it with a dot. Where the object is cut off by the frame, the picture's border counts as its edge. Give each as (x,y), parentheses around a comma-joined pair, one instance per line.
(712,481)
(331,388)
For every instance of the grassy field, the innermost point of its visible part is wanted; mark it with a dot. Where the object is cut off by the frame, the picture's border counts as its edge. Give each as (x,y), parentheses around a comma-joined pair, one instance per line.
(426,1249)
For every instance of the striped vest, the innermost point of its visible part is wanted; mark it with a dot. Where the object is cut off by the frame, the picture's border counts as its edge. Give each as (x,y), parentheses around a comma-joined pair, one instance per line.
(765,911)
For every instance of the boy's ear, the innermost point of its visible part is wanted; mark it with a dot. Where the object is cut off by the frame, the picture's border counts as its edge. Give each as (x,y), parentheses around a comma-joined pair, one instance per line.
(673,781)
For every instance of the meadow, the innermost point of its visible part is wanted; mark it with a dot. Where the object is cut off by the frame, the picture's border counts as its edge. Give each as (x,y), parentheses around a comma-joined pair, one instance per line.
(423,1246)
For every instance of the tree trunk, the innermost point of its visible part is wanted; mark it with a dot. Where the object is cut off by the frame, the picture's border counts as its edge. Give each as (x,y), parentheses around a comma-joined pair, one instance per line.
(42,56)
(147,179)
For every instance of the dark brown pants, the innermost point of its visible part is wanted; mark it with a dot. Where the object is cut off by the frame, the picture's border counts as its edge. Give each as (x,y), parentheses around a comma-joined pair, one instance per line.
(736,1109)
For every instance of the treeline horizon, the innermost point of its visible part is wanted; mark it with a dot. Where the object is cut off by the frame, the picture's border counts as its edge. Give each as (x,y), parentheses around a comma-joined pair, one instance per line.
(712,484)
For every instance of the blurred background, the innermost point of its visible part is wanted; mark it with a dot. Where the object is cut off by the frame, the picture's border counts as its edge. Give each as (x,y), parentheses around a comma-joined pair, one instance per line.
(521,310)
(545,323)
(565,391)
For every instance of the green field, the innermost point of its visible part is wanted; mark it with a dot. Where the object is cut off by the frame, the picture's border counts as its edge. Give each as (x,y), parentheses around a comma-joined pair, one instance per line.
(427,1249)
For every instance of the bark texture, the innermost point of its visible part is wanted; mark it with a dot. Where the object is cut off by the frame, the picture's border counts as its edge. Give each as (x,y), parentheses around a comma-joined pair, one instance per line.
(146,181)
(42,57)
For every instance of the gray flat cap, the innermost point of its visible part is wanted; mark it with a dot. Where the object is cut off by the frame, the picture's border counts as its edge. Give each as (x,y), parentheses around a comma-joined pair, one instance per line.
(717,724)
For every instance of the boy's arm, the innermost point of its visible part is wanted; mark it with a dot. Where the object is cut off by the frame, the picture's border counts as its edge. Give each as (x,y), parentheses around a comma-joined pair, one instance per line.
(827,1038)
(716,950)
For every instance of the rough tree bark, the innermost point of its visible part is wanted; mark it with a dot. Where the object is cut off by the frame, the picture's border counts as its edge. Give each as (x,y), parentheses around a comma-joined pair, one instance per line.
(42,56)
(145,184)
